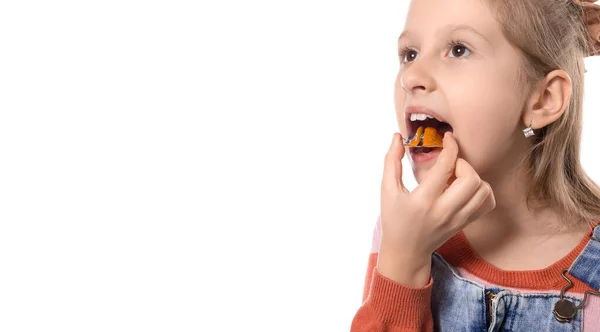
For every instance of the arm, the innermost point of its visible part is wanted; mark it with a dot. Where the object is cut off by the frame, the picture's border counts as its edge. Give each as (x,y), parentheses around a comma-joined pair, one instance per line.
(412,225)
(389,305)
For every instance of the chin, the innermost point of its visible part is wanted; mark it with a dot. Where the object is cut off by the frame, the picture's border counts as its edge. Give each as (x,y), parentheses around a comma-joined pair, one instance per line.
(419,171)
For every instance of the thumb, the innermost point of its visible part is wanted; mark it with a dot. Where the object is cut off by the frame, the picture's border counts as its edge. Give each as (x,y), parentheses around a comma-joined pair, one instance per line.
(392,167)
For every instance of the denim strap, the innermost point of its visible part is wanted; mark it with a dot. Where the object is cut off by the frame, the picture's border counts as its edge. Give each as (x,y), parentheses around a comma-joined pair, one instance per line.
(586,266)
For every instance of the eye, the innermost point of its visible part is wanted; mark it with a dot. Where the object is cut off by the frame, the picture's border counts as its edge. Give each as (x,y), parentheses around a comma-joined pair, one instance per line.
(407,55)
(458,50)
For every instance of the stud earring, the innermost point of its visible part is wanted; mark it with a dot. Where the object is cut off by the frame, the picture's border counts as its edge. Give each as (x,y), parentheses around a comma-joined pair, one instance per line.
(528,132)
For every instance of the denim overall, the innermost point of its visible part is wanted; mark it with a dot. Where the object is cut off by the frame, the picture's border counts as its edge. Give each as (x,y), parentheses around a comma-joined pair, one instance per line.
(461,305)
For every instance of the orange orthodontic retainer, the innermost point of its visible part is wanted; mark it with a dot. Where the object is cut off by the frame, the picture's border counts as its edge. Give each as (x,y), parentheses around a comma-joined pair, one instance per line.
(426,137)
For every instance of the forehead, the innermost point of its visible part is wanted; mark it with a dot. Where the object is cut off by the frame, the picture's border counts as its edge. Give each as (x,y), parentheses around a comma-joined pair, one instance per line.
(434,17)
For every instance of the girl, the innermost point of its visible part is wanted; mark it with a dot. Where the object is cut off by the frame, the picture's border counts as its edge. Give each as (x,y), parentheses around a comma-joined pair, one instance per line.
(500,234)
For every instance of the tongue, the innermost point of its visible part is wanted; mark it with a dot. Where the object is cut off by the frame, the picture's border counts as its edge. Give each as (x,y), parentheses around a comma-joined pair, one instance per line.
(423,150)
(442,127)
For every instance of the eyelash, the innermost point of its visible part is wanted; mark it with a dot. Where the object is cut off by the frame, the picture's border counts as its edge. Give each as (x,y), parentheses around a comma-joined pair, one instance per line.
(403,51)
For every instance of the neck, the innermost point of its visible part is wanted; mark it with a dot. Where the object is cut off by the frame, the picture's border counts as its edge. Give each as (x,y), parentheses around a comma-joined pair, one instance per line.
(512,218)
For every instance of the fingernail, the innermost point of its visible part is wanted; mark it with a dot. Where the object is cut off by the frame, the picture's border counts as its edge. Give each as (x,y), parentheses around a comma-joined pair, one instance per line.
(397,138)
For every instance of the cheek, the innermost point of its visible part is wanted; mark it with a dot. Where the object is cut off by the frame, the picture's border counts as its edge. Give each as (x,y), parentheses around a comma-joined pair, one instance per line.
(399,102)
(485,136)
(486,113)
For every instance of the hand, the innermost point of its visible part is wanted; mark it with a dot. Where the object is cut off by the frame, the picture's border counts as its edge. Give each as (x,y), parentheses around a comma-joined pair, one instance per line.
(414,224)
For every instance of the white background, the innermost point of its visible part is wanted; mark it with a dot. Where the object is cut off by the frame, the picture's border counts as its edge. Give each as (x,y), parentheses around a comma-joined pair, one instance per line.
(195,166)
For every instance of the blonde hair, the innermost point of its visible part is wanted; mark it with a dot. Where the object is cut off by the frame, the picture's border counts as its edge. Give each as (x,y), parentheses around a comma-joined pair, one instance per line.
(552,34)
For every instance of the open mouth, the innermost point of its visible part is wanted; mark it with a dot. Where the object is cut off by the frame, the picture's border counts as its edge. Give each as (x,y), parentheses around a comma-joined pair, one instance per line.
(424,131)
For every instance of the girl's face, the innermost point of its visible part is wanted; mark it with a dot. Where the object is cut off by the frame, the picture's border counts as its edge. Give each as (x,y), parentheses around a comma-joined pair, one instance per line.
(456,65)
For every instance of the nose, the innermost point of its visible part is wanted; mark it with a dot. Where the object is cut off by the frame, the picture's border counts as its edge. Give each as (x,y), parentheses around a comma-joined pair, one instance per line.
(418,78)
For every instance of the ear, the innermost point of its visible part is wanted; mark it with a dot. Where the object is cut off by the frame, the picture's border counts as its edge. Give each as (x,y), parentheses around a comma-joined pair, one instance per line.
(549,100)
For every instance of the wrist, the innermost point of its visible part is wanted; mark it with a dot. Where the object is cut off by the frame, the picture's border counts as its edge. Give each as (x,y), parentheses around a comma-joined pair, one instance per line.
(411,270)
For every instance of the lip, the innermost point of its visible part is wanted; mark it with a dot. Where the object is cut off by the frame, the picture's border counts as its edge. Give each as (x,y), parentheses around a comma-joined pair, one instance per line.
(428,158)
(408,110)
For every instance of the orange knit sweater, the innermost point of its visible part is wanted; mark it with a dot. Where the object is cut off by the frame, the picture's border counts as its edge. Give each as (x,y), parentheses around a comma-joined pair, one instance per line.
(392,307)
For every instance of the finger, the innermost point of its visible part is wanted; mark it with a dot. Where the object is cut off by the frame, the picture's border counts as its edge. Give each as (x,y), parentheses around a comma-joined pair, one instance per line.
(437,179)
(488,205)
(476,207)
(462,189)
(392,167)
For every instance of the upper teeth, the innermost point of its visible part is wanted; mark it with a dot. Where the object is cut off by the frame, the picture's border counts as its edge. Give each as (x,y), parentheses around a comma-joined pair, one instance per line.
(419,116)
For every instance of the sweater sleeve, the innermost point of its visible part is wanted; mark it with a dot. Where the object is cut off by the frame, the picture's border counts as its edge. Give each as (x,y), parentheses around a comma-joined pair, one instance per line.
(390,306)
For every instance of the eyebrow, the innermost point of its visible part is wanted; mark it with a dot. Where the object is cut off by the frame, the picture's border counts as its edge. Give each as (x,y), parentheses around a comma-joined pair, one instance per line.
(453,28)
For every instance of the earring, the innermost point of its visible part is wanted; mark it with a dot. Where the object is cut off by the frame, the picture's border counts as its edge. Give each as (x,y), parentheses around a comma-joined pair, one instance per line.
(528,132)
